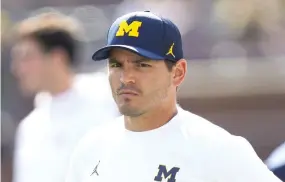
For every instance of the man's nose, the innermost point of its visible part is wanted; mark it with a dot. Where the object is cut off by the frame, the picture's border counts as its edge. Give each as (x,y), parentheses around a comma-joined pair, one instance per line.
(127,75)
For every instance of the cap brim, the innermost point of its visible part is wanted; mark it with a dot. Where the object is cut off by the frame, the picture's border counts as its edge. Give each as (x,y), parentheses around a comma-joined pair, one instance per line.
(104,52)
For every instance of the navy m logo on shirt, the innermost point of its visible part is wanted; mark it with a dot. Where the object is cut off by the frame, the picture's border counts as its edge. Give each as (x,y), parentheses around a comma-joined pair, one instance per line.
(164,174)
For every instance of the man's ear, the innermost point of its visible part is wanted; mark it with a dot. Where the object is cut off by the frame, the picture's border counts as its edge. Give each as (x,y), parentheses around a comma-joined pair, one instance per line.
(60,56)
(179,72)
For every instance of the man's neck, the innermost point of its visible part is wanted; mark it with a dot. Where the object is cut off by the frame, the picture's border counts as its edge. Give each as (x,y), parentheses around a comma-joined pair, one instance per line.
(61,84)
(152,119)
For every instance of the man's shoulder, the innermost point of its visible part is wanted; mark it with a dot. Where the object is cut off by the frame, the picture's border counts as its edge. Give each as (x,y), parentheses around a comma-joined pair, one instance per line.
(33,119)
(32,125)
(42,98)
(209,135)
(198,126)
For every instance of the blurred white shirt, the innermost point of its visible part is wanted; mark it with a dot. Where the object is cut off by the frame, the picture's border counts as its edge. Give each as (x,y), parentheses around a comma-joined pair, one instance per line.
(188,148)
(277,157)
(47,136)
(276,161)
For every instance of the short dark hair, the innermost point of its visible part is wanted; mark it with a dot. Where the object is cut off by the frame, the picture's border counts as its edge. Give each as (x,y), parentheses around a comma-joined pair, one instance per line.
(169,64)
(52,31)
(50,39)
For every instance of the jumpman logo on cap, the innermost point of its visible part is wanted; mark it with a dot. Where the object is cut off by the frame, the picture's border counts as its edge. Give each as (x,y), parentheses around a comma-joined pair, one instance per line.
(170,51)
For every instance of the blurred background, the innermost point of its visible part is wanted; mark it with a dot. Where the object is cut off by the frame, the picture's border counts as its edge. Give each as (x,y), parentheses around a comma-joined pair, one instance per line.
(235,49)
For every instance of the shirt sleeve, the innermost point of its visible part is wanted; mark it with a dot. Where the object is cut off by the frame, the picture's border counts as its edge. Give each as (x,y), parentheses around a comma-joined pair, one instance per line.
(236,161)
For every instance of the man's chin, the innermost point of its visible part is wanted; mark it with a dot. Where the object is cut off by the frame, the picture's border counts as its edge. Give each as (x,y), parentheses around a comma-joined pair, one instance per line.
(28,92)
(131,111)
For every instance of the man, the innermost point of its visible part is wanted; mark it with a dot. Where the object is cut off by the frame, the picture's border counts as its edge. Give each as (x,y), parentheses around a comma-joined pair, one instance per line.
(156,140)
(276,161)
(67,105)
(14,107)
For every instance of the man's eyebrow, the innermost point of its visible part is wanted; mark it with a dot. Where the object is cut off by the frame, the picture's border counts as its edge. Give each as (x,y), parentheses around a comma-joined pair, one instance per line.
(114,60)
(141,60)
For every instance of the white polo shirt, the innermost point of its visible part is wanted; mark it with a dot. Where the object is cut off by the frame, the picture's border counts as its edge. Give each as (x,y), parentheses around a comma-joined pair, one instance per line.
(47,136)
(186,149)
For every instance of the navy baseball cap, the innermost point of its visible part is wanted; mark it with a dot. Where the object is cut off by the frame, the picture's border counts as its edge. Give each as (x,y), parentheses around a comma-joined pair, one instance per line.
(146,34)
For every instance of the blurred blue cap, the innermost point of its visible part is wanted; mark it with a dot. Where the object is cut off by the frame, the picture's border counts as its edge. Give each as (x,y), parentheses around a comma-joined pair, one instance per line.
(146,34)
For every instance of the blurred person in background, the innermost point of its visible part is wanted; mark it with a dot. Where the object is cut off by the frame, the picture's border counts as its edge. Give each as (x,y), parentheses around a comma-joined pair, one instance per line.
(276,161)
(14,106)
(155,139)
(66,106)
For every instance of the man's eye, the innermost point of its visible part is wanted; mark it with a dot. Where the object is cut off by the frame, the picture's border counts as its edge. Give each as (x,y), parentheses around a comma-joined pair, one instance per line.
(115,65)
(143,65)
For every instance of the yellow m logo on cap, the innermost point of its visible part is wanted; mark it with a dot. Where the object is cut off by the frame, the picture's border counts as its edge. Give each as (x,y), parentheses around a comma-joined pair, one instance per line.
(131,29)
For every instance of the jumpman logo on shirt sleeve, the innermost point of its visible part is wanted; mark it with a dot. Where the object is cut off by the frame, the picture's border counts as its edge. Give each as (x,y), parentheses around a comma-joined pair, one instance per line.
(96,170)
